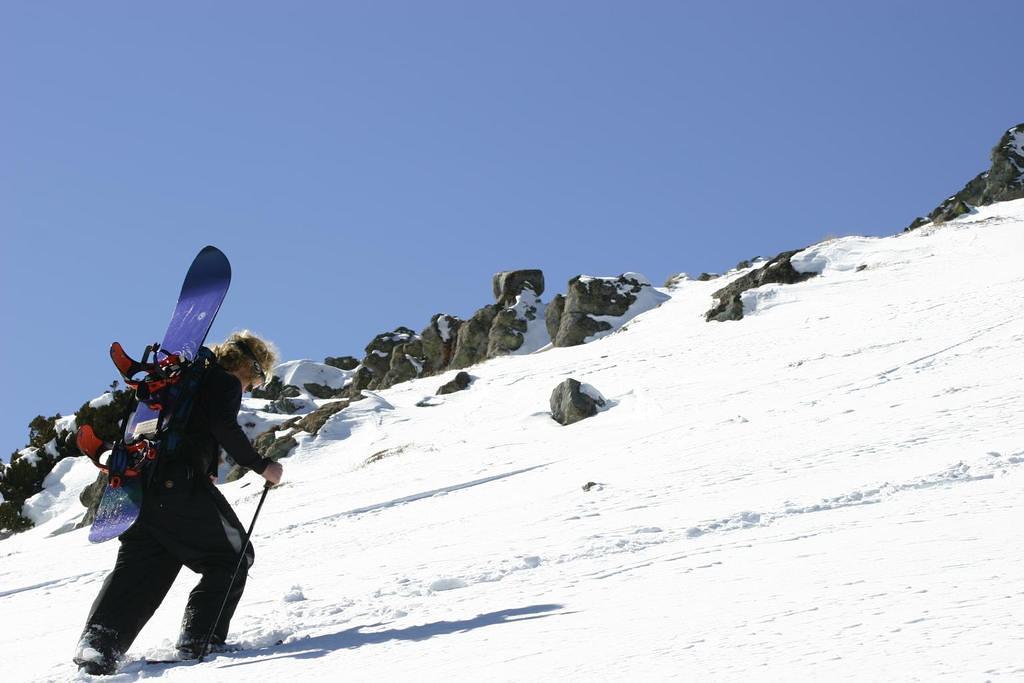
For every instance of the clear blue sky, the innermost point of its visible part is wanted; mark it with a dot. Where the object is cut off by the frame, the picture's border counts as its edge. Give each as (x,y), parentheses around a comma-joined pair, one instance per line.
(367,164)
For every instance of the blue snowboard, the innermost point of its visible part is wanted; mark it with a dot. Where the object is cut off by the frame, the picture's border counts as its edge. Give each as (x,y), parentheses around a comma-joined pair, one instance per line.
(205,286)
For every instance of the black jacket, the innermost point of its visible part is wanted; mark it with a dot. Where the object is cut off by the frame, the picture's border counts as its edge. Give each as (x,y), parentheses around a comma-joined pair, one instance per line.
(213,424)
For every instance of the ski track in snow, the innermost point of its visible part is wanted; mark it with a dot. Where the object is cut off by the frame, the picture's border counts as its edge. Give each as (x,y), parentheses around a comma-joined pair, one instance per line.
(827,489)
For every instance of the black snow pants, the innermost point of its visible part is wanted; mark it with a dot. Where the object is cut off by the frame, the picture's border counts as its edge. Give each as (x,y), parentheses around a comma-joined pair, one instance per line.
(184,521)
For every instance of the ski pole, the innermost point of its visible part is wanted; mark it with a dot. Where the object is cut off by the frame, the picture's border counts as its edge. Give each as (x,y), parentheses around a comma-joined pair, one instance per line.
(241,559)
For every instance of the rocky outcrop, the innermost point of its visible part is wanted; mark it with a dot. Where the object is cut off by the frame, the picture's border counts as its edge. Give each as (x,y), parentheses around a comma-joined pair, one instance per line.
(512,326)
(1002,182)
(506,326)
(376,364)
(271,443)
(779,270)
(510,284)
(314,421)
(322,391)
(674,281)
(474,336)
(361,379)
(553,315)
(284,406)
(272,390)
(438,341)
(572,401)
(592,298)
(342,362)
(305,380)
(407,362)
(52,439)
(277,442)
(378,351)
(507,333)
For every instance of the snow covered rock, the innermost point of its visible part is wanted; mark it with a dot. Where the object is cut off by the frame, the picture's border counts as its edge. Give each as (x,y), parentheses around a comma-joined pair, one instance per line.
(1002,182)
(513,325)
(59,490)
(597,306)
(275,443)
(51,439)
(519,327)
(572,401)
(315,380)
(777,271)
(377,362)
(272,390)
(285,406)
(438,341)
(509,285)
(407,362)
(280,447)
(315,420)
(674,281)
(278,441)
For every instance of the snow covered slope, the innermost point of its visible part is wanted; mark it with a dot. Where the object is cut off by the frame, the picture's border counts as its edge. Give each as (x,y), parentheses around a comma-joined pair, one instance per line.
(828,489)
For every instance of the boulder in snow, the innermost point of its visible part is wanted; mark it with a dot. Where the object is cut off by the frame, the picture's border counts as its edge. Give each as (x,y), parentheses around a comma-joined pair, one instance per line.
(572,401)
(461,382)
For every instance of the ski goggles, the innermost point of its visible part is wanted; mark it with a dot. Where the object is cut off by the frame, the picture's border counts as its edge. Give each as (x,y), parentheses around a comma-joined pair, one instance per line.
(256,367)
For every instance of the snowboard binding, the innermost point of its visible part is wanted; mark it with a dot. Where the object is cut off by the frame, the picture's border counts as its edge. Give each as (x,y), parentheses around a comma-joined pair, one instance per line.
(158,375)
(125,460)
(158,386)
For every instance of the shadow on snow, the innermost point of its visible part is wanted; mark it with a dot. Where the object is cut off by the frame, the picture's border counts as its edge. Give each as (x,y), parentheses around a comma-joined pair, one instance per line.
(355,637)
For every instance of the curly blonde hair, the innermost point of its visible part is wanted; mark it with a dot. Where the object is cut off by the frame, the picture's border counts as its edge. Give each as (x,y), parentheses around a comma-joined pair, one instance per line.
(231,356)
